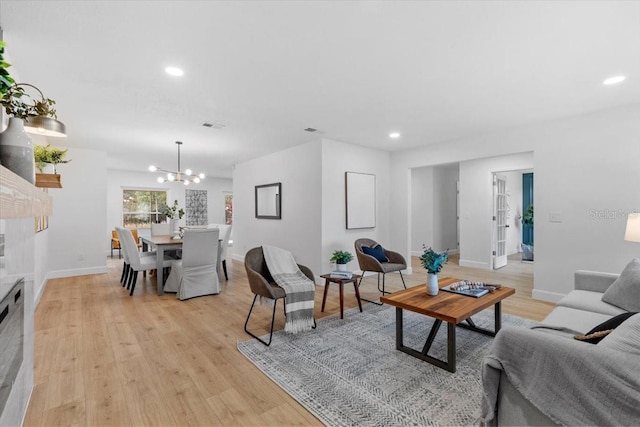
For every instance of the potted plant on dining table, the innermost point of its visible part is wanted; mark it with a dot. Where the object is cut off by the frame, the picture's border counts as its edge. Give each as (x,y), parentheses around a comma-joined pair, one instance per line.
(175,214)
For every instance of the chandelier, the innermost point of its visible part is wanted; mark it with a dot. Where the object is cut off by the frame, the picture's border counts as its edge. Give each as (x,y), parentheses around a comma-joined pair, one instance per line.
(185,177)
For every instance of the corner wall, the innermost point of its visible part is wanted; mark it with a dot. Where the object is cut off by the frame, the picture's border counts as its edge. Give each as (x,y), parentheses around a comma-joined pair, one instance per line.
(338,158)
(299,231)
(586,170)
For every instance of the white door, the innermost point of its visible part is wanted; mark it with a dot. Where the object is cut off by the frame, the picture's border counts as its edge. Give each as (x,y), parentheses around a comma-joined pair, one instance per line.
(500,209)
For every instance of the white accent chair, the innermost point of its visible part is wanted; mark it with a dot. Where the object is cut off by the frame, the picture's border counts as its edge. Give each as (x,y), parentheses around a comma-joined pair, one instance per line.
(137,262)
(225,235)
(196,273)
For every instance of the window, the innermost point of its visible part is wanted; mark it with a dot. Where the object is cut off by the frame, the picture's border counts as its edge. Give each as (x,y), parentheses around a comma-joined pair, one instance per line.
(228,208)
(142,207)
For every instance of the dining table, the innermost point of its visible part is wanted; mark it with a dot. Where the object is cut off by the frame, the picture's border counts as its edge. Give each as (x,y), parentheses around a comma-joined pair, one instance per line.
(164,243)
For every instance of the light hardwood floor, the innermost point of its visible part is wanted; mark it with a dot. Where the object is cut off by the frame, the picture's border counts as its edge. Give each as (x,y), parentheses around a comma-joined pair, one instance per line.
(104,358)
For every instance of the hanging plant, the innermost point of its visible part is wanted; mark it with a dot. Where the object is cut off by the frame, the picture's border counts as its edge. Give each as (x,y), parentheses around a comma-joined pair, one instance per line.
(6,81)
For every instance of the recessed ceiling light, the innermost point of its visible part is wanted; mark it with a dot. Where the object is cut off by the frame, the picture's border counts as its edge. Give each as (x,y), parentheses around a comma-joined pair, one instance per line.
(174,71)
(394,135)
(614,80)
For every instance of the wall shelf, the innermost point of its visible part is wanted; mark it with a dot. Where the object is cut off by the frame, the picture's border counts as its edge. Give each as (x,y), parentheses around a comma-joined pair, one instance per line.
(48,180)
(21,199)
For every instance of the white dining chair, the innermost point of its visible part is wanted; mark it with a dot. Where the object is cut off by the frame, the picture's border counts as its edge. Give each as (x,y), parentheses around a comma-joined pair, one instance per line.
(137,261)
(196,273)
(225,236)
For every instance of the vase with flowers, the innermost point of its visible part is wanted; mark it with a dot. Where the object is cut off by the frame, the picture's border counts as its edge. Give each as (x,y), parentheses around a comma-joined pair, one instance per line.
(433,262)
(175,214)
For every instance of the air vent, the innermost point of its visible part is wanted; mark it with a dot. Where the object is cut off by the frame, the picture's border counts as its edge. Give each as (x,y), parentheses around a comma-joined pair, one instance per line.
(213,125)
(310,130)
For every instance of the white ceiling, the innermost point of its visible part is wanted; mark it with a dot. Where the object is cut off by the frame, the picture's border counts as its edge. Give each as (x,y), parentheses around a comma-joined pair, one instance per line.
(434,71)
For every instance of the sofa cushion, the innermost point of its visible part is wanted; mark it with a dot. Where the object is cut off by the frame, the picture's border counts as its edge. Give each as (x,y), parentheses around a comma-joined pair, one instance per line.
(570,321)
(625,291)
(377,252)
(589,301)
(600,331)
(625,337)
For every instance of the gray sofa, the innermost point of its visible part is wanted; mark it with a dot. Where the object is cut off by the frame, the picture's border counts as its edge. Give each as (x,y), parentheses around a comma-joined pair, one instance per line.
(543,376)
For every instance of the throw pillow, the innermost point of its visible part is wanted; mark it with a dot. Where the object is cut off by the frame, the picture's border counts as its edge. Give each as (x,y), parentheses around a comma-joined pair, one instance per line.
(603,329)
(625,338)
(625,291)
(377,252)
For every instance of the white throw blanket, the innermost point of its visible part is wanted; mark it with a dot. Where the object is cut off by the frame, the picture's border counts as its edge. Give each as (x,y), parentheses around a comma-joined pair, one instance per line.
(299,290)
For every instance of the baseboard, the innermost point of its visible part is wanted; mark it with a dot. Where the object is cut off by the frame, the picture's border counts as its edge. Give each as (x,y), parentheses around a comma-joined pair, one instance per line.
(41,291)
(449,251)
(546,296)
(474,264)
(58,274)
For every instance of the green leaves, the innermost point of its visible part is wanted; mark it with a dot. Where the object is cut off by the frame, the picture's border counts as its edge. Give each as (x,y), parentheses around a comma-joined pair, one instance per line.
(527,216)
(433,261)
(44,155)
(172,211)
(341,257)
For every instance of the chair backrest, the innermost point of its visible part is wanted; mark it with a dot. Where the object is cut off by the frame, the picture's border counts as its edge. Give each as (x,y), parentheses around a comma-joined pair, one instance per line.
(121,236)
(130,248)
(136,238)
(115,240)
(160,229)
(359,243)
(200,247)
(225,234)
(255,264)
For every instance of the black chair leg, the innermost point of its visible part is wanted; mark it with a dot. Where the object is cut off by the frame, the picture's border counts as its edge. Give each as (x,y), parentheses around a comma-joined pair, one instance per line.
(402,277)
(368,300)
(127,275)
(224,268)
(133,285)
(124,270)
(273,317)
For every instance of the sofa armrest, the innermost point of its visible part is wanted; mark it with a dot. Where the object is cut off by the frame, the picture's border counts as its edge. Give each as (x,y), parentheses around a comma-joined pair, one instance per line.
(594,281)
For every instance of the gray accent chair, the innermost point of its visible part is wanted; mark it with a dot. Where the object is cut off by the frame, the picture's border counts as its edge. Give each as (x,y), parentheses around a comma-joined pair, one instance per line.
(369,263)
(263,285)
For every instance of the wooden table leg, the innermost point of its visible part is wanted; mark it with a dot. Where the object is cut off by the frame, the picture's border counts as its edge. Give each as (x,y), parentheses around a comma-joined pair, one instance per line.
(324,298)
(355,286)
(341,299)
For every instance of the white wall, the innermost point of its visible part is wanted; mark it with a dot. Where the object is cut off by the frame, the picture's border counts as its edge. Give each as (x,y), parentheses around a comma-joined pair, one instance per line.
(445,233)
(338,158)
(586,169)
(476,205)
(118,180)
(299,230)
(76,229)
(422,209)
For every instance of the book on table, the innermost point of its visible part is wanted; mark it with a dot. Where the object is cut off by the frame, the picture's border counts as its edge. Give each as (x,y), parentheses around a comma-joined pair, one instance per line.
(471,289)
(341,274)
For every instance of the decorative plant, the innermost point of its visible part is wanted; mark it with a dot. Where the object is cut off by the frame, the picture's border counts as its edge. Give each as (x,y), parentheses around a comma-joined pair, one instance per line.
(341,257)
(47,154)
(527,216)
(172,211)
(17,103)
(433,261)
(6,81)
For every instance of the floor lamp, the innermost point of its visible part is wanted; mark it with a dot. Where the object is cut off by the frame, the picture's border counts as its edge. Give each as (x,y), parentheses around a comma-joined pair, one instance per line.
(632,233)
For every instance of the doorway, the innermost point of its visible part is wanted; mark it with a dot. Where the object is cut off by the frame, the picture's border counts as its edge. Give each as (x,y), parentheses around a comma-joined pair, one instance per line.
(512,193)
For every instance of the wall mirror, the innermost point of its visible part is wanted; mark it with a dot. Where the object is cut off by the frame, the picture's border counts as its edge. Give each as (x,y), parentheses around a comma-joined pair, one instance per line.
(268,201)
(360,191)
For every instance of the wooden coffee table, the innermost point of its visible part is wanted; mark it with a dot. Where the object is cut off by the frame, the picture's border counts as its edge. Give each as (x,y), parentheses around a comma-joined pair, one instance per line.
(448,307)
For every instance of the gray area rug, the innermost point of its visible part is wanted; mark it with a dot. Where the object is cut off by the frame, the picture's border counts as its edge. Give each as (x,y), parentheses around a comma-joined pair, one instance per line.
(348,372)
